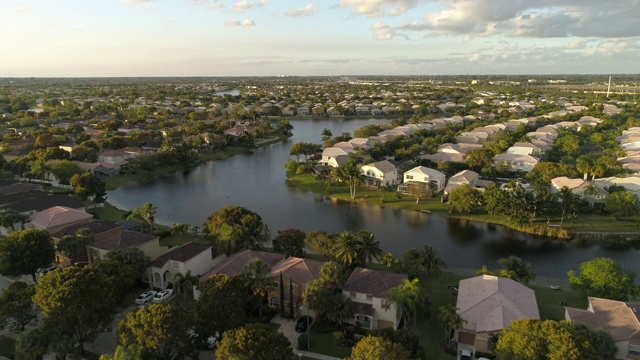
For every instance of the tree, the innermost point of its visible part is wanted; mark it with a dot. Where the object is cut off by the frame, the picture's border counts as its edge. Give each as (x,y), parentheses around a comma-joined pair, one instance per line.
(349,174)
(255,342)
(321,242)
(378,348)
(146,214)
(408,339)
(289,242)
(622,204)
(16,304)
(368,248)
(604,278)
(529,339)
(235,228)
(75,246)
(584,164)
(324,296)
(64,170)
(517,270)
(411,297)
(184,283)
(479,158)
(600,339)
(569,202)
(9,218)
(220,305)
(420,262)
(131,352)
(87,185)
(32,344)
(450,319)
(346,249)
(77,302)
(23,252)
(465,198)
(162,329)
(257,275)
(326,135)
(131,257)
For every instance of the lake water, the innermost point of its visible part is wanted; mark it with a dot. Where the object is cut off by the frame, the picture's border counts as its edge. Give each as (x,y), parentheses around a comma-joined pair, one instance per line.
(257,181)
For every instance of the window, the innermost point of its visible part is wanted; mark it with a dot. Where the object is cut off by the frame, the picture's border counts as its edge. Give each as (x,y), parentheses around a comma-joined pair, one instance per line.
(352,295)
(274,301)
(409,177)
(175,265)
(634,350)
(276,284)
(369,297)
(386,304)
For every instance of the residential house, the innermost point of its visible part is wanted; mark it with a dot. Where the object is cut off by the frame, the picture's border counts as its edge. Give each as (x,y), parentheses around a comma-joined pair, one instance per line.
(630,183)
(303,111)
(516,161)
(197,258)
(593,193)
(297,272)
(56,218)
(331,153)
(118,157)
(433,179)
(380,173)
(148,244)
(525,148)
(442,156)
(368,291)
(464,177)
(488,304)
(99,170)
(620,319)
(100,229)
(234,264)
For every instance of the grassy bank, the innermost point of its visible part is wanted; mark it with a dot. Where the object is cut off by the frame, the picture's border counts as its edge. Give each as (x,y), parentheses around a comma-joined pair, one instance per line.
(583,222)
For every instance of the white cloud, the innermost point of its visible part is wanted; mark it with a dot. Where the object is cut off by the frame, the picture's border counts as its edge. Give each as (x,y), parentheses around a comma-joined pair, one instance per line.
(23,9)
(243,6)
(137,1)
(379,8)
(247,23)
(308,9)
(516,18)
(382,31)
(215,5)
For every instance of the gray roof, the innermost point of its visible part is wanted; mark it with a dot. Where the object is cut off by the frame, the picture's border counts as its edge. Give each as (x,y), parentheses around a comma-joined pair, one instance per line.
(373,282)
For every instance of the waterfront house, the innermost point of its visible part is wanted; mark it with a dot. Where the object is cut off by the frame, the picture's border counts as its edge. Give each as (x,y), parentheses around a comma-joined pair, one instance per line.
(592,192)
(368,291)
(57,218)
(464,177)
(380,173)
(423,176)
(197,258)
(296,274)
(148,244)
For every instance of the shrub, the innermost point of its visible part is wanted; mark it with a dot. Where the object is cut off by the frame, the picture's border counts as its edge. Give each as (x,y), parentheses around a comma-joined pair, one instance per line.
(303,342)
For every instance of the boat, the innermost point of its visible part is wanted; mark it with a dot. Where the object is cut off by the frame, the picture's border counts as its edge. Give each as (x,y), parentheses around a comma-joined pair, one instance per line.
(425,211)
(555,287)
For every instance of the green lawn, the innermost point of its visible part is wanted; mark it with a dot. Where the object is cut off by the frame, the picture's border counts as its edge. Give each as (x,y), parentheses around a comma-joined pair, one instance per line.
(549,301)
(7,347)
(322,343)
(108,212)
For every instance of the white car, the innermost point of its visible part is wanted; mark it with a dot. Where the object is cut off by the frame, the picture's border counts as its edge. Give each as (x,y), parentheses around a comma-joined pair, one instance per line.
(145,297)
(162,296)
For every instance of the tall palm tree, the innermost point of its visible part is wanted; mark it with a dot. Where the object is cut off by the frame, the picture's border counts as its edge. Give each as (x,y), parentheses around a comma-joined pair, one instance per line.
(368,247)
(257,274)
(346,249)
(568,202)
(584,164)
(349,174)
(451,320)
(519,270)
(431,261)
(412,297)
(183,283)
(145,214)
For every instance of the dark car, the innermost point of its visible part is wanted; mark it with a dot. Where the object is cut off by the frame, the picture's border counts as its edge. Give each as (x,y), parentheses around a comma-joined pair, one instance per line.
(303,322)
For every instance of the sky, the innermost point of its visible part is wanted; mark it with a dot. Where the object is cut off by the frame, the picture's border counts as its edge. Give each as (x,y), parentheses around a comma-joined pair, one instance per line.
(95,38)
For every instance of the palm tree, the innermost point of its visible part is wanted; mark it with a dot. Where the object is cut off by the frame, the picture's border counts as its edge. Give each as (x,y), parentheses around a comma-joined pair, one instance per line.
(493,340)
(349,174)
(368,247)
(431,261)
(411,296)
(568,201)
(346,249)
(185,282)
(145,214)
(451,320)
(257,275)
(519,270)
(584,164)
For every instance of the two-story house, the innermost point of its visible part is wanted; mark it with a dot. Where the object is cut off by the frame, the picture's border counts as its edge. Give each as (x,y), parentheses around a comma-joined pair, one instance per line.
(197,258)
(297,272)
(369,293)
(380,174)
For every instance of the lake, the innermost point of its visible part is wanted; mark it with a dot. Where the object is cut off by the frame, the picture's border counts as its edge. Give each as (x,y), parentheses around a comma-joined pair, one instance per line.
(257,181)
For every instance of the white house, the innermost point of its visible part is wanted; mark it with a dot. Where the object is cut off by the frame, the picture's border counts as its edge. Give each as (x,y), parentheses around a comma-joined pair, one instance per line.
(197,258)
(593,193)
(434,178)
(369,293)
(332,153)
(525,148)
(464,177)
(380,173)
(516,161)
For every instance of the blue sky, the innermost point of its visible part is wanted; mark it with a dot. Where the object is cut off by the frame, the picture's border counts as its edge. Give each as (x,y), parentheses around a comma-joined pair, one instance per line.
(63,38)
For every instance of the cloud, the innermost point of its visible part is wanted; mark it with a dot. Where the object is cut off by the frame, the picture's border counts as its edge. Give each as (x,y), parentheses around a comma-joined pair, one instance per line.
(515,18)
(308,9)
(215,5)
(243,6)
(137,1)
(247,23)
(382,31)
(379,8)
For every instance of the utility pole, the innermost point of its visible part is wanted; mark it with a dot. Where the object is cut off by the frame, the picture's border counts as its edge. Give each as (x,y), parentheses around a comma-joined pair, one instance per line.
(609,87)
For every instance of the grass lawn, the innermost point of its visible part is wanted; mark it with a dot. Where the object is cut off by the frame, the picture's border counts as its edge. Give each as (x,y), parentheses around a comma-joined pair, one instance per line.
(322,343)
(549,301)
(7,347)
(108,212)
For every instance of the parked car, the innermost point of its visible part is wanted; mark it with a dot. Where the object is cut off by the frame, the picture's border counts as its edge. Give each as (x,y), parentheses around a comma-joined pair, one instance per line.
(303,322)
(210,342)
(162,296)
(146,297)
(465,354)
(45,270)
